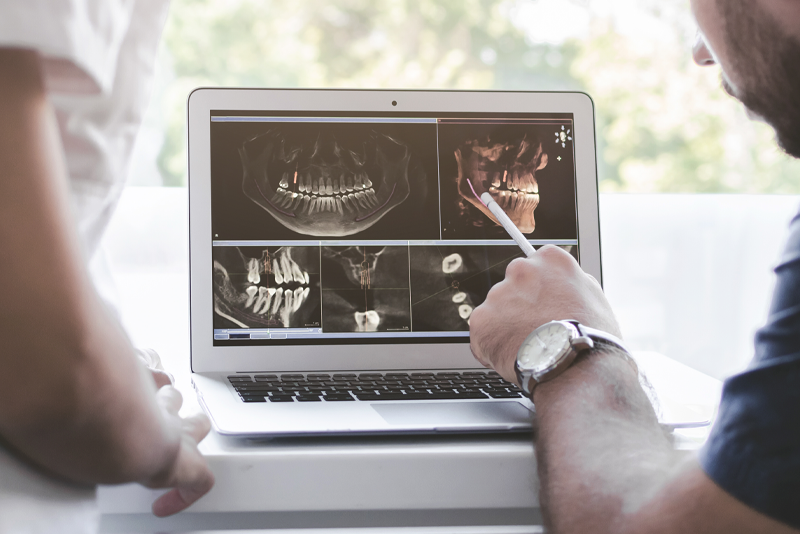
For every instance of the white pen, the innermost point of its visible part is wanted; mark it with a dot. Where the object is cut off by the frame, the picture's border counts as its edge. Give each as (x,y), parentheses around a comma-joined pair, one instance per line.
(510,227)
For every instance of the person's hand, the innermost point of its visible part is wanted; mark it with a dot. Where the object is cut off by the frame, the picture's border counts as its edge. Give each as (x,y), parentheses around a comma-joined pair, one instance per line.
(550,286)
(189,476)
(152,361)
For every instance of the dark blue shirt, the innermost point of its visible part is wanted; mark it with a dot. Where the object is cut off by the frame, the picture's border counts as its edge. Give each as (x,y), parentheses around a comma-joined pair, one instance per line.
(753,452)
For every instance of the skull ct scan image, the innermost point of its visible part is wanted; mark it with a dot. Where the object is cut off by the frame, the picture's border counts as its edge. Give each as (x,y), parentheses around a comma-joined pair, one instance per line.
(362,227)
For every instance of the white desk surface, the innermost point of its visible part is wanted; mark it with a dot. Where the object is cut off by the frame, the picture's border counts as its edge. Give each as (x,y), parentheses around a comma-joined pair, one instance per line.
(486,482)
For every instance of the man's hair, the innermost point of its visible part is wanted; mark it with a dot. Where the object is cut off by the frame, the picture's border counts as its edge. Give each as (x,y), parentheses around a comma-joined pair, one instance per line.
(766,62)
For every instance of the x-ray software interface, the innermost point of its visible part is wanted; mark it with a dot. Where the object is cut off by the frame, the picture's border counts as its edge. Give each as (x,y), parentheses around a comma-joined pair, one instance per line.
(358,227)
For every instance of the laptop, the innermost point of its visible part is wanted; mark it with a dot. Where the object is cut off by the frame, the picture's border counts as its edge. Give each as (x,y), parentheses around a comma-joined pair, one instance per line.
(338,249)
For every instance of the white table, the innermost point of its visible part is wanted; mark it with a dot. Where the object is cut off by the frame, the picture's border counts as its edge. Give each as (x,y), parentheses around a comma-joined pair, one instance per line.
(473,481)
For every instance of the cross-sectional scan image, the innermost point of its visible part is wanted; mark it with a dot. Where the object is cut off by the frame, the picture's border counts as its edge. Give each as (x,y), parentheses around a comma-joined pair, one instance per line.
(324,180)
(449,282)
(266,287)
(365,289)
(533,182)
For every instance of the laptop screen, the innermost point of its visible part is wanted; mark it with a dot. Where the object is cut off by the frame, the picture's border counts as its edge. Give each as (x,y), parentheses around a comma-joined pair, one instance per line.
(365,228)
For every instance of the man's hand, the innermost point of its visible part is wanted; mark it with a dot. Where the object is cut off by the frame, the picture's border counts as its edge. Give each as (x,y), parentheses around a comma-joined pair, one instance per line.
(189,476)
(550,286)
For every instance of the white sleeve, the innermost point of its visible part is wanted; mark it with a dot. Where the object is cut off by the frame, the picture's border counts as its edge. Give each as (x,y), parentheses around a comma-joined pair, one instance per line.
(79,40)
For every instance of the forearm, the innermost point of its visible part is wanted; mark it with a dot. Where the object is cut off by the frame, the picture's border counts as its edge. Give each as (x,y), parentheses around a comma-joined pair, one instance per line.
(73,399)
(601,452)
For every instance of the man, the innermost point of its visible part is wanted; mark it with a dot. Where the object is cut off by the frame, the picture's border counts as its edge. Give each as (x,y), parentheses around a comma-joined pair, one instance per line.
(76,407)
(604,463)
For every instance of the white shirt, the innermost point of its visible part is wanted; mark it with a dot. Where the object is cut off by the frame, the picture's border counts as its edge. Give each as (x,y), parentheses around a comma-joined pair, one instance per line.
(98,58)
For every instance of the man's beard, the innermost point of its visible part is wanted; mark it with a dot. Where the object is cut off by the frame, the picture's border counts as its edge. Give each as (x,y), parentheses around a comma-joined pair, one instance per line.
(767,65)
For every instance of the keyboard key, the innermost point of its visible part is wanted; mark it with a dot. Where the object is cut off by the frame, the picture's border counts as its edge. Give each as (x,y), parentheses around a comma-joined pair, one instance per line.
(396,375)
(308,398)
(291,376)
(421,375)
(254,399)
(240,378)
(370,376)
(264,378)
(318,376)
(475,373)
(344,375)
(504,394)
(337,398)
(281,399)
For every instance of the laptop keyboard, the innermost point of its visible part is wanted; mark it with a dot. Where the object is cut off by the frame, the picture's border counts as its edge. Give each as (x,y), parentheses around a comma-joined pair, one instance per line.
(343,387)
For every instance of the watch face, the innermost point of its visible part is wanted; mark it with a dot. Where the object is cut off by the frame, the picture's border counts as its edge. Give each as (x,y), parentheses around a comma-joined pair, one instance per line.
(545,347)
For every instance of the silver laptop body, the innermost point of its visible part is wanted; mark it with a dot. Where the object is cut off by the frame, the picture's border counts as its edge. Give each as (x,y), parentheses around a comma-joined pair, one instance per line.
(335,237)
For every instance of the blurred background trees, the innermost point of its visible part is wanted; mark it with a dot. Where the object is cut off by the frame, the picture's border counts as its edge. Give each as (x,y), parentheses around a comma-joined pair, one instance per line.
(663,124)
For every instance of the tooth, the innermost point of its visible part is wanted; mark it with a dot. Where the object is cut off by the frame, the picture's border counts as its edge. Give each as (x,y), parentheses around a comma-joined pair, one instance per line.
(288,198)
(364,180)
(346,203)
(262,303)
(496,180)
(284,183)
(329,187)
(361,200)
(373,200)
(304,200)
(312,205)
(465,310)
(305,275)
(338,205)
(288,305)
(359,182)
(326,204)
(297,274)
(349,184)
(459,297)
(251,295)
(298,298)
(276,304)
(253,275)
(367,181)
(336,187)
(314,186)
(276,271)
(278,197)
(286,269)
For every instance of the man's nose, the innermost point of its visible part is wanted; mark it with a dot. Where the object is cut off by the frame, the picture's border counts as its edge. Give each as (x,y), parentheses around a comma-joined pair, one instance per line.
(700,53)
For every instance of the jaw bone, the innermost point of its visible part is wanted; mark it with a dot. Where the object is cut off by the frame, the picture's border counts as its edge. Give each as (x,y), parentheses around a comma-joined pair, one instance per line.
(333,190)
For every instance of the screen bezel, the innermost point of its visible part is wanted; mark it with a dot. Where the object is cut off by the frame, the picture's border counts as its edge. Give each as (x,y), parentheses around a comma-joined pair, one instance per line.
(205,357)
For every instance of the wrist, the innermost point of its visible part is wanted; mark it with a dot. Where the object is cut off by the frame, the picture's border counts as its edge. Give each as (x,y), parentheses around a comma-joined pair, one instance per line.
(605,365)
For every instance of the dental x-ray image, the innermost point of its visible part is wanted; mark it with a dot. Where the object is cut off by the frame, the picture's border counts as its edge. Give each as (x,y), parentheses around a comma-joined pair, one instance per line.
(266,287)
(324,180)
(449,282)
(365,289)
(533,182)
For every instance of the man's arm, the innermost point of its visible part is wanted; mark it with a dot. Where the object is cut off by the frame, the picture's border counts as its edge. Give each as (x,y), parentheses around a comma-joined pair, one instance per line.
(73,398)
(605,464)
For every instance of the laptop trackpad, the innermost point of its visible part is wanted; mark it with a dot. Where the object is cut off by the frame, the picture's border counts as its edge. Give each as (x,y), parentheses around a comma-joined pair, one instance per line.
(457,414)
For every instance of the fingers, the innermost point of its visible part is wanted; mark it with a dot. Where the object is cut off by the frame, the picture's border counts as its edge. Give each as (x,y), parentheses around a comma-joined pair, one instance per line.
(197,426)
(169,399)
(161,378)
(181,497)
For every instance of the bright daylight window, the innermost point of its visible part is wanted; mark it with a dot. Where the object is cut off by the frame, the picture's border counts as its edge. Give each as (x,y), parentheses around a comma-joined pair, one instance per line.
(679,283)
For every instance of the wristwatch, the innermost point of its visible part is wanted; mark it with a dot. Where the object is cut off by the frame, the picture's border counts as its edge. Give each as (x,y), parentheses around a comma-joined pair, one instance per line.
(550,349)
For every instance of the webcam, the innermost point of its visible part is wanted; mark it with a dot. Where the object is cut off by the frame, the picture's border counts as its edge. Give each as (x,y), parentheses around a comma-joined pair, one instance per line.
(394,102)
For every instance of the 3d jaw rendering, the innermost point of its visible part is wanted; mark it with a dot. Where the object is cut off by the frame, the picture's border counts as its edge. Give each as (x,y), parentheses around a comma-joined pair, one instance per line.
(507,170)
(331,186)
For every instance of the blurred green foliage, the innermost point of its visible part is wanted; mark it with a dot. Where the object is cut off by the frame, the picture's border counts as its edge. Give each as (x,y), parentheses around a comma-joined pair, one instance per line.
(663,124)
